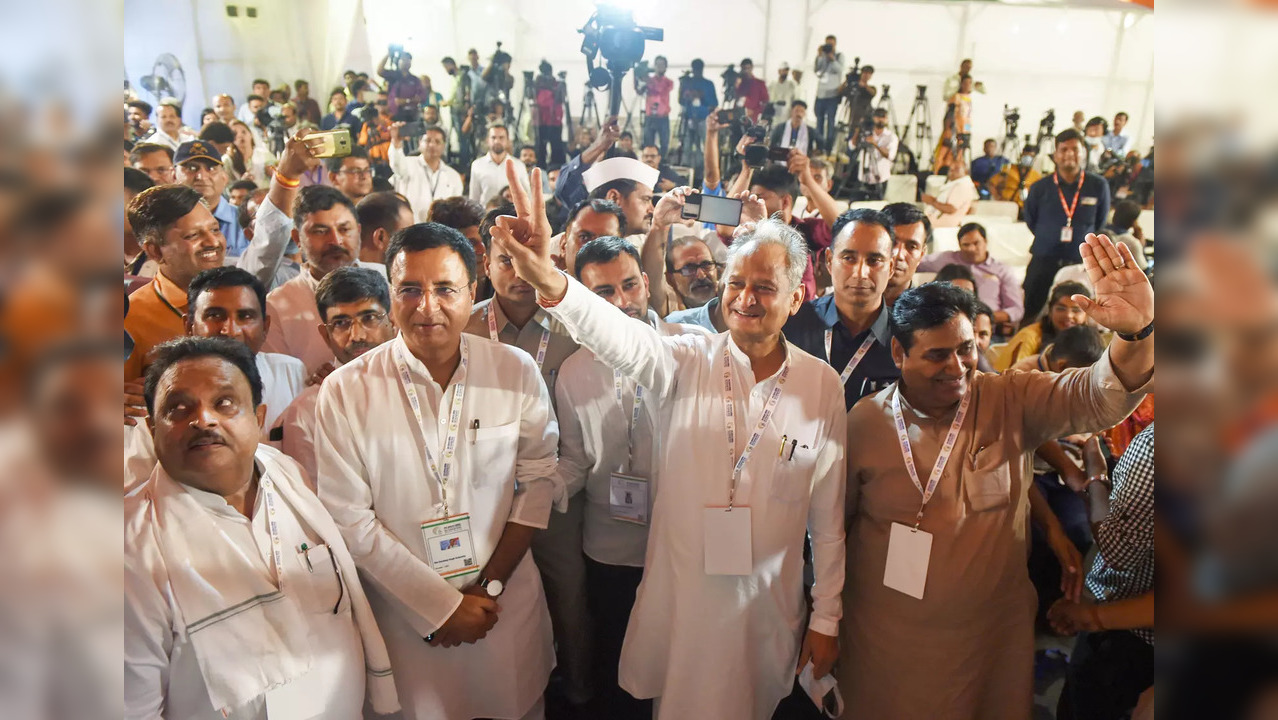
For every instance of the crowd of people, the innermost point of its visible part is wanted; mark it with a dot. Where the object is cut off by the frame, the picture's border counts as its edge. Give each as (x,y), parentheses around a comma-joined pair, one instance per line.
(517,439)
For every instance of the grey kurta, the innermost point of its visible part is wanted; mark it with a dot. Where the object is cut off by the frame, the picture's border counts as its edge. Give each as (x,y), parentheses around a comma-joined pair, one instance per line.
(966,649)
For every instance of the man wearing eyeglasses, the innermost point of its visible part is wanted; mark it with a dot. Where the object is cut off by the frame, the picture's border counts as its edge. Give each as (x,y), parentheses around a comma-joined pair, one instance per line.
(352,174)
(693,273)
(353,304)
(435,455)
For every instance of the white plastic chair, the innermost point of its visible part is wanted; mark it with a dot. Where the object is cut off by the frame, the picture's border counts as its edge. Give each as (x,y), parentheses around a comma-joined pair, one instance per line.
(901,188)
(989,209)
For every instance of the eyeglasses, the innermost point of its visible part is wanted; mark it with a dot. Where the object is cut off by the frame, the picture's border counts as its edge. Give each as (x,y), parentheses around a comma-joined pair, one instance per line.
(413,294)
(691,269)
(369,320)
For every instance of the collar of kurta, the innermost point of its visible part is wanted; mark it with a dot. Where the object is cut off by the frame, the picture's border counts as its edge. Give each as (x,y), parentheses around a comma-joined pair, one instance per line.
(169,290)
(306,279)
(829,314)
(739,355)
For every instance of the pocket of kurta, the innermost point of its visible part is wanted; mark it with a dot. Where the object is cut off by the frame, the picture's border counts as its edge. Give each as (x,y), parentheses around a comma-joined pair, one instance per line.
(318,585)
(792,475)
(988,481)
(492,451)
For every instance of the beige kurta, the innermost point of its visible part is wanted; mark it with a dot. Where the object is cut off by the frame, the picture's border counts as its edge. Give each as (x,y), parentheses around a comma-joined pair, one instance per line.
(966,649)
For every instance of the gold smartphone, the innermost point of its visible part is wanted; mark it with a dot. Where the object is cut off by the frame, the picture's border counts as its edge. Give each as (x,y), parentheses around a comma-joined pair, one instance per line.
(334,143)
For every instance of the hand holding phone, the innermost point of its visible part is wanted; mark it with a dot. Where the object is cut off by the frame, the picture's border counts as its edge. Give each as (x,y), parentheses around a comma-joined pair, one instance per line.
(714,209)
(333,143)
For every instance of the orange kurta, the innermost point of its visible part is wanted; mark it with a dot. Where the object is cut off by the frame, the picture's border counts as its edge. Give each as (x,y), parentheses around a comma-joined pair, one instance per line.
(155,314)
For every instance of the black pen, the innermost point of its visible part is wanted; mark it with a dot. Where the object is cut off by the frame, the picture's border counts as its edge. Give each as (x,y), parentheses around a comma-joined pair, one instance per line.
(474,430)
(793,445)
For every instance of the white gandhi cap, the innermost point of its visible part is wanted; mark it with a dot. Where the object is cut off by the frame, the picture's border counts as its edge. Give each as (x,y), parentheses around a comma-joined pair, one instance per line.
(619,168)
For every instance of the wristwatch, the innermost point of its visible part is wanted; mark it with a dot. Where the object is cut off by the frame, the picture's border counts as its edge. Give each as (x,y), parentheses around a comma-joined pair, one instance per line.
(1102,478)
(493,587)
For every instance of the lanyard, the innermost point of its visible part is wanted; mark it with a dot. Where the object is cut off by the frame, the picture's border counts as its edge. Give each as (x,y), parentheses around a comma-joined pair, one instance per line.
(454,419)
(856,357)
(434,184)
(492,334)
(635,408)
(730,422)
(1069,210)
(156,287)
(277,547)
(941,459)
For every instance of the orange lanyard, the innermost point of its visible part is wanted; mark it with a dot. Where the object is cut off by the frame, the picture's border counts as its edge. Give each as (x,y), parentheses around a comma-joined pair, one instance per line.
(1069,210)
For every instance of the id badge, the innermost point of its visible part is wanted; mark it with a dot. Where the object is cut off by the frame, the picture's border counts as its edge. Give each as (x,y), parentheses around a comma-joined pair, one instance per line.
(727,541)
(449,547)
(301,699)
(628,498)
(696,102)
(1067,234)
(907,557)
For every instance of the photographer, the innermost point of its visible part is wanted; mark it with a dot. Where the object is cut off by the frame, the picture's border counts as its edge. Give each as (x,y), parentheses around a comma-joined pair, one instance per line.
(953,82)
(880,145)
(697,97)
(498,82)
(829,73)
(550,96)
(796,133)
(404,91)
(656,124)
(860,96)
(752,91)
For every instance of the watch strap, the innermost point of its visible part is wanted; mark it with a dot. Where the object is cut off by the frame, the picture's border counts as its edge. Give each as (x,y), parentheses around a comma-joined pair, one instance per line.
(1146,332)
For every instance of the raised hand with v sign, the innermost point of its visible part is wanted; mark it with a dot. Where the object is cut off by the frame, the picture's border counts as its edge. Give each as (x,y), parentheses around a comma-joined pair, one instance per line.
(525,238)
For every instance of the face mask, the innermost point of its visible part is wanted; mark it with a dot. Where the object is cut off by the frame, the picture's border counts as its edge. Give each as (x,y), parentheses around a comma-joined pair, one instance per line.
(1027,160)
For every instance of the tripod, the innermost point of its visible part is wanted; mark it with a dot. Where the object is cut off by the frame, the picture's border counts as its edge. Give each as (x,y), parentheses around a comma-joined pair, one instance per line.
(589,112)
(922,128)
(1010,148)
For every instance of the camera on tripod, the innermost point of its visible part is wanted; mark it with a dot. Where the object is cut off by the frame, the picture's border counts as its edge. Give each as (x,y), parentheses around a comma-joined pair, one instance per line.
(1049,120)
(729,77)
(852,81)
(1011,117)
(612,32)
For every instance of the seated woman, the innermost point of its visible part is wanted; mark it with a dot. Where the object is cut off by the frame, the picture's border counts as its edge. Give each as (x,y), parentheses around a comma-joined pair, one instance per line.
(1061,313)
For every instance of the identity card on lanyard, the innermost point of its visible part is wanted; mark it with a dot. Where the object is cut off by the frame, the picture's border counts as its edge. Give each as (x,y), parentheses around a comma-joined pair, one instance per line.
(909,548)
(1067,232)
(449,546)
(856,358)
(727,530)
(628,494)
(492,334)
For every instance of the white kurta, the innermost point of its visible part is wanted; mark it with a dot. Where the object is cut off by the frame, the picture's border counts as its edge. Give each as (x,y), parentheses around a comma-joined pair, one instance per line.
(415,180)
(375,481)
(719,646)
(162,675)
(283,379)
(295,322)
(297,428)
(593,444)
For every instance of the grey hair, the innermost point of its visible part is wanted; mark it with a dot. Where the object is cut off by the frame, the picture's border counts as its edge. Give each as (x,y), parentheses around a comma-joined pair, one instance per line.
(773,232)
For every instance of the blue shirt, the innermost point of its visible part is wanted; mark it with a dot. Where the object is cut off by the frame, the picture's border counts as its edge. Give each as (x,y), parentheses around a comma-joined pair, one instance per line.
(984,168)
(1045,216)
(228,219)
(709,99)
(877,370)
(696,316)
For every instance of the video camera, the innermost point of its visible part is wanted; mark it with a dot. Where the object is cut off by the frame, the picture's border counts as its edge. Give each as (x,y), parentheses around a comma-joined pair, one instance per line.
(272,122)
(611,32)
(852,81)
(1049,120)
(1011,117)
